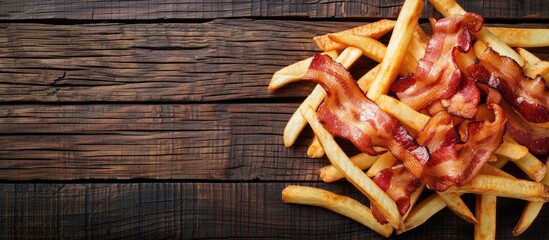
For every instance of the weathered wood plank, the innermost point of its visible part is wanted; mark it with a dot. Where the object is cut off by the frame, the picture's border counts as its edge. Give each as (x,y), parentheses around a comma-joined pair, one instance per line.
(206,211)
(198,62)
(211,61)
(211,9)
(158,141)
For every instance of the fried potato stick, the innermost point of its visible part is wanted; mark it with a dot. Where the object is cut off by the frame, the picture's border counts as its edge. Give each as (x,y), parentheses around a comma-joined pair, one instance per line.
(531,210)
(374,30)
(343,205)
(387,207)
(396,49)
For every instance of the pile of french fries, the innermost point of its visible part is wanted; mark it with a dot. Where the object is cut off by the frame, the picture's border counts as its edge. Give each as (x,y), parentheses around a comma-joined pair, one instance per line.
(406,46)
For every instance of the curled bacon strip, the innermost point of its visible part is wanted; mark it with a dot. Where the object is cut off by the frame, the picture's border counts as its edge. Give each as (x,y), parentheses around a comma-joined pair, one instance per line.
(348,113)
(534,137)
(530,97)
(399,184)
(456,157)
(437,76)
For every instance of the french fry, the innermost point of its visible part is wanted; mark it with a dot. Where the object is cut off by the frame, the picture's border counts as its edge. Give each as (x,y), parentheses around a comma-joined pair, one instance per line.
(504,187)
(315,149)
(405,114)
(531,210)
(529,58)
(528,216)
(422,212)
(418,44)
(532,166)
(486,216)
(501,161)
(539,68)
(512,150)
(413,199)
(522,37)
(528,163)
(396,49)
(370,47)
(479,47)
(384,161)
(387,207)
(495,171)
(458,206)
(366,80)
(374,50)
(293,72)
(343,205)
(296,123)
(331,174)
(374,30)
(450,7)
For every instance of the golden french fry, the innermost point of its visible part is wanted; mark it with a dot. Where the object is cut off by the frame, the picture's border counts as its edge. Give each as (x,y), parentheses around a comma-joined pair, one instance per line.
(418,44)
(296,123)
(504,187)
(331,174)
(370,47)
(374,30)
(539,68)
(531,210)
(532,166)
(413,199)
(522,37)
(486,216)
(512,150)
(387,207)
(528,163)
(501,161)
(366,80)
(404,113)
(479,47)
(293,72)
(343,205)
(491,170)
(529,57)
(422,212)
(315,150)
(450,7)
(396,49)
(528,216)
(374,50)
(458,206)
(386,160)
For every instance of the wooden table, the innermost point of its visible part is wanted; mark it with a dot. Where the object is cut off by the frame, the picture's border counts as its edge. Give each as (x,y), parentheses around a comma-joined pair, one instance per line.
(152,119)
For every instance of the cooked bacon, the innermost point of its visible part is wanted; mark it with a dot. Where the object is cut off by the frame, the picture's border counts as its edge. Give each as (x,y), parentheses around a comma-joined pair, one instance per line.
(534,137)
(399,184)
(437,76)
(348,113)
(530,97)
(456,157)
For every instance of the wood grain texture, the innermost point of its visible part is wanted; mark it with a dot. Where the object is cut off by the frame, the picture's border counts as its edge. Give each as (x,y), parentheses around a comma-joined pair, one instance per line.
(201,211)
(210,9)
(158,141)
(190,62)
(211,61)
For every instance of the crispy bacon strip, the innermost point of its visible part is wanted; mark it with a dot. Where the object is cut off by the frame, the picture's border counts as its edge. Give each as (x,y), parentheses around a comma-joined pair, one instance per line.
(437,76)
(347,113)
(535,138)
(399,184)
(457,156)
(530,97)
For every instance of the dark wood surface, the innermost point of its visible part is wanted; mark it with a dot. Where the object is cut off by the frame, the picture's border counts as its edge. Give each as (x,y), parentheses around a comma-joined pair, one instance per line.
(152,120)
